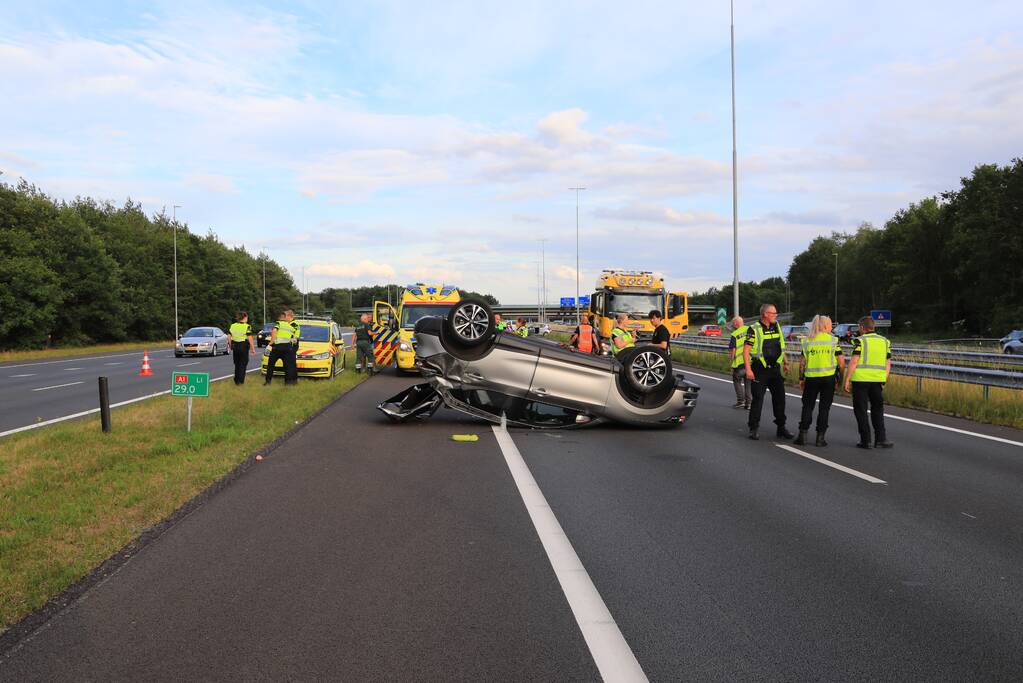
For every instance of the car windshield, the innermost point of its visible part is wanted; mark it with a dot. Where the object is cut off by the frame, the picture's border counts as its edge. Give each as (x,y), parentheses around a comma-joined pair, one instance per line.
(314,333)
(268,327)
(199,332)
(410,315)
(640,304)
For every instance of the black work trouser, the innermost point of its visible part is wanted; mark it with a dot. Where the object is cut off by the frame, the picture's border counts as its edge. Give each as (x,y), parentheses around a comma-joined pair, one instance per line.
(872,393)
(814,388)
(285,352)
(767,379)
(240,352)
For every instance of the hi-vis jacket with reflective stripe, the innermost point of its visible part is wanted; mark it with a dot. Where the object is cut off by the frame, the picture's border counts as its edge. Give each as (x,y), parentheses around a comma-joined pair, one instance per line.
(756,330)
(239,331)
(739,337)
(820,354)
(873,351)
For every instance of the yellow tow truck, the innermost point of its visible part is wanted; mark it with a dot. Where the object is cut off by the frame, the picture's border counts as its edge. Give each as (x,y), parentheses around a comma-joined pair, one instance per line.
(637,292)
(417,301)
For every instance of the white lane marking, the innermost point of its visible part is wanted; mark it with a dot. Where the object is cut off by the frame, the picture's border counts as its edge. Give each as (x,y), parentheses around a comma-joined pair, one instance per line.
(117,363)
(897,417)
(612,655)
(96,410)
(69,369)
(31,374)
(185,365)
(967,514)
(75,360)
(58,386)
(842,468)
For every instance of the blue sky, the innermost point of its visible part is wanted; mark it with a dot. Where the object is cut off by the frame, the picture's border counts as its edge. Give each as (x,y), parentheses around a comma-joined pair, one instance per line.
(401,141)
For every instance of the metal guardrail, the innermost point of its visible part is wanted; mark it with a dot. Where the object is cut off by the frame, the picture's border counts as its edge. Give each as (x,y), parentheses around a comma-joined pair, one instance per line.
(985,377)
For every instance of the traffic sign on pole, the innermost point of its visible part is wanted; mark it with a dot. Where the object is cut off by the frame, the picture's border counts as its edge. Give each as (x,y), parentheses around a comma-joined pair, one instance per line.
(584,300)
(567,301)
(190,385)
(722,316)
(882,317)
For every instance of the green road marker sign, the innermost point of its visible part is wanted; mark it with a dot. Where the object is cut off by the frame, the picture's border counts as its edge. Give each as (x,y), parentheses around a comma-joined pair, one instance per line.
(722,316)
(190,385)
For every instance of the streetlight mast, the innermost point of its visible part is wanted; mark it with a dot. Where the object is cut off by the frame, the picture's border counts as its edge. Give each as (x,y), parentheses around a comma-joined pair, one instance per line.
(577,190)
(836,287)
(735,184)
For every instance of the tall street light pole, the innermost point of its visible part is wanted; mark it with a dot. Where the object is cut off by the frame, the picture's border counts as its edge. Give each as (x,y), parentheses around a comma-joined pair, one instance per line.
(735,185)
(543,279)
(836,287)
(174,226)
(577,190)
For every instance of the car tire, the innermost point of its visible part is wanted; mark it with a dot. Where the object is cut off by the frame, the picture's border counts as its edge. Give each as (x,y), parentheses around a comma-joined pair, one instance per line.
(470,323)
(646,369)
(1009,351)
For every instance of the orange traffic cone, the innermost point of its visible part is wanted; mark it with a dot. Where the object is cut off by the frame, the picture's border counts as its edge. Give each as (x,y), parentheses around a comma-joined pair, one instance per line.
(146,370)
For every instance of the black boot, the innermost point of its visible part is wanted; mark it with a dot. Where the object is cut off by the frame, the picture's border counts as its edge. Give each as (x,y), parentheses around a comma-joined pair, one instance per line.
(801,439)
(863,444)
(820,440)
(784,433)
(754,434)
(882,442)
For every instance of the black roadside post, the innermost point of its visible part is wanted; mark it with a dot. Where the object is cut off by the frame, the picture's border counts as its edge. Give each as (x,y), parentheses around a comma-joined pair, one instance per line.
(104,404)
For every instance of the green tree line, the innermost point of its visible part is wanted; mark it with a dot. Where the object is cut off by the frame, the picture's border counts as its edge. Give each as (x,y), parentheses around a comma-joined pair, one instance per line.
(952,262)
(82,272)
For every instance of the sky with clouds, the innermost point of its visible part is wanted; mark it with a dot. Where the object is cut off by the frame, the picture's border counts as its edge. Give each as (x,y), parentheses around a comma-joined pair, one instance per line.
(410,141)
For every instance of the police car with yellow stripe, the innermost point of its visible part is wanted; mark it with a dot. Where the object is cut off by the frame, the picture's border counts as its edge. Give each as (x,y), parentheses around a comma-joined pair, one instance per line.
(321,349)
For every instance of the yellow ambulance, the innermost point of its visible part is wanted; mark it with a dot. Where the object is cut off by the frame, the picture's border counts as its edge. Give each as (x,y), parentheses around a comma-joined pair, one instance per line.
(417,301)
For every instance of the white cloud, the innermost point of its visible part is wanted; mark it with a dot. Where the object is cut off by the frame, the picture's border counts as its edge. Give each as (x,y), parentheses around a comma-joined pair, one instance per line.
(219,184)
(363,269)
(435,275)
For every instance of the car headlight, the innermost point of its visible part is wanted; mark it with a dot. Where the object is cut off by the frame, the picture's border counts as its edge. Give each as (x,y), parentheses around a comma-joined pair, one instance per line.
(177,345)
(405,346)
(319,356)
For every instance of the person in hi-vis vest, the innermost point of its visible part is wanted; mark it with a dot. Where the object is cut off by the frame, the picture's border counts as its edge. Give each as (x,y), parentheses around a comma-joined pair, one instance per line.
(242,345)
(868,371)
(819,371)
(743,396)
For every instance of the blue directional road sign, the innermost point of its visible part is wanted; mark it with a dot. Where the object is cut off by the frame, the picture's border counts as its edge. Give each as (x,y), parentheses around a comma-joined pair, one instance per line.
(567,301)
(584,300)
(882,318)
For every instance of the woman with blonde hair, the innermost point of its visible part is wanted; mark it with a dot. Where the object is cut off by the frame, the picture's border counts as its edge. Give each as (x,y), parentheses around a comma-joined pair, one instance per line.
(818,374)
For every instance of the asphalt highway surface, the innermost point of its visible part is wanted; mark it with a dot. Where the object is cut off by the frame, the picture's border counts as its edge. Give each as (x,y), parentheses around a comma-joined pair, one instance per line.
(364,550)
(40,391)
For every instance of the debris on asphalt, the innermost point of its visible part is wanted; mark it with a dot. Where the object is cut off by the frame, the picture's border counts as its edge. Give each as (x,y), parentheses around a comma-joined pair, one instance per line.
(465,437)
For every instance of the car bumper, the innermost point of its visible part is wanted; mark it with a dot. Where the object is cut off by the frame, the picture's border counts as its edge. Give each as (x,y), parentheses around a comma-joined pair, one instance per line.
(306,368)
(406,360)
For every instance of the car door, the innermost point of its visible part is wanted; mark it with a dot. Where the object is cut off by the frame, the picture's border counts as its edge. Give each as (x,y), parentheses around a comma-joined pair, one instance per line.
(573,379)
(385,332)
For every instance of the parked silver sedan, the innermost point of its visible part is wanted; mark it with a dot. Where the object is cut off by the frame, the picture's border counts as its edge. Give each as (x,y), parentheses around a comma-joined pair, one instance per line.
(202,341)
(535,382)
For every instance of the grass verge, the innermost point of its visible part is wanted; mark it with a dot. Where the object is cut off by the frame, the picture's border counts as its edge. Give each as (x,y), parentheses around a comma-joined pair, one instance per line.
(71,496)
(66,351)
(1003,406)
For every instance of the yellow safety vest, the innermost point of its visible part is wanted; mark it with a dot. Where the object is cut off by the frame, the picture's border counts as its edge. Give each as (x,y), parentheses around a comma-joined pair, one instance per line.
(522,331)
(286,331)
(625,334)
(820,354)
(739,336)
(239,331)
(757,352)
(874,350)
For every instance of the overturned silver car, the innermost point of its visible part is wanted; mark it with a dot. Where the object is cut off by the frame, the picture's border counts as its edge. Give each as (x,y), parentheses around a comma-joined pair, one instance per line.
(534,382)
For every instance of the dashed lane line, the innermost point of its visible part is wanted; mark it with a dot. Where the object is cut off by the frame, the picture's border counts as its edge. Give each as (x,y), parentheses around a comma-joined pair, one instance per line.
(31,374)
(841,468)
(58,386)
(55,420)
(894,417)
(612,655)
(77,360)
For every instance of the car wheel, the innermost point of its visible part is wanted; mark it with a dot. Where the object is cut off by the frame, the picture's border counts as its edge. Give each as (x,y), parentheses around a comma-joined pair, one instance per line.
(647,369)
(1008,351)
(470,323)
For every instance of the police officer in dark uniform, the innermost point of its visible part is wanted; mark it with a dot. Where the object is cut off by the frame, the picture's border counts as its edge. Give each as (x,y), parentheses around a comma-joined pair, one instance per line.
(284,346)
(364,344)
(764,356)
(241,345)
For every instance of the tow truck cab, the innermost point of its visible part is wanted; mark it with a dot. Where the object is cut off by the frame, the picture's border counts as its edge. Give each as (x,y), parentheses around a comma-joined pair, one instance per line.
(417,301)
(637,292)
